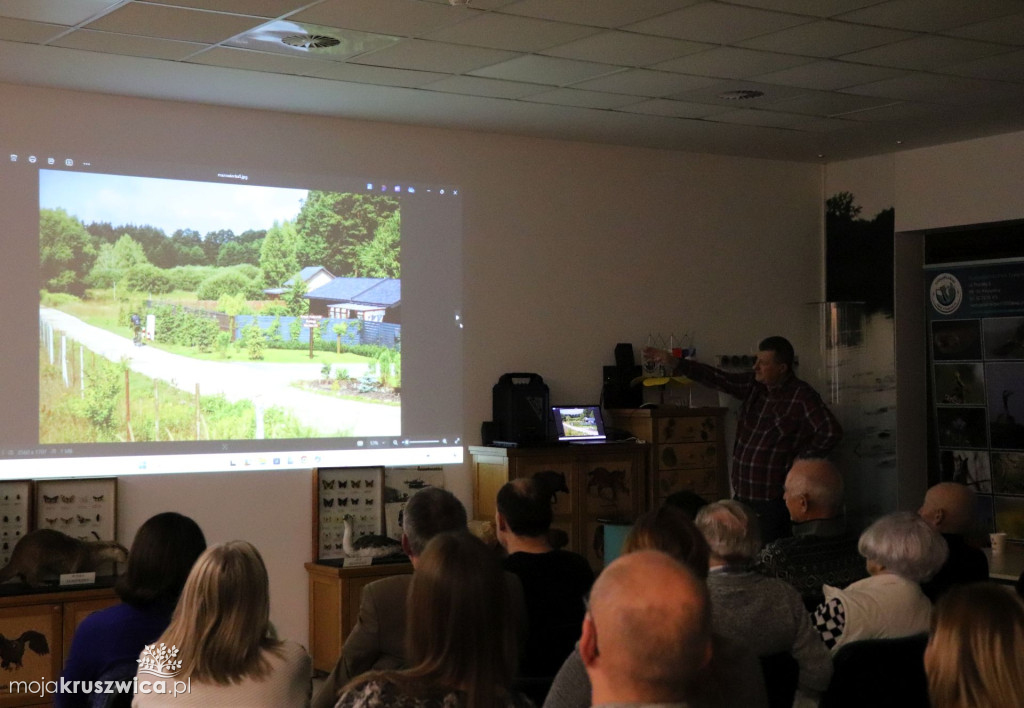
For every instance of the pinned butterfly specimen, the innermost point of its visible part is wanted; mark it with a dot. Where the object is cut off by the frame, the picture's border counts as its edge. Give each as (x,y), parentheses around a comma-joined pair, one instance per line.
(70,499)
(355,502)
(52,521)
(327,546)
(67,520)
(342,484)
(356,483)
(342,501)
(51,500)
(328,503)
(99,498)
(369,484)
(327,483)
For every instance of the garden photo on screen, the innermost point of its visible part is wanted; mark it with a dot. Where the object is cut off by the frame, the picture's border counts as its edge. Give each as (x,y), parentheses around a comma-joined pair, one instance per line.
(174,310)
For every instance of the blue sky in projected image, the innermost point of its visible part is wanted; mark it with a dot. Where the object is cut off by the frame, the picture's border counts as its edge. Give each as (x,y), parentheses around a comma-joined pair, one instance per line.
(167,204)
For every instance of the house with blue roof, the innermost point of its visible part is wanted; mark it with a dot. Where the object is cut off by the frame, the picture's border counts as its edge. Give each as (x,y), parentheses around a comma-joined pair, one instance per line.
(368,299)
(313,276)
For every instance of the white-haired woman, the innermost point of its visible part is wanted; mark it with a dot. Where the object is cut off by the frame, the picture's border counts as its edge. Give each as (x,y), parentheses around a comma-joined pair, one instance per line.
(901,551)
(765,615)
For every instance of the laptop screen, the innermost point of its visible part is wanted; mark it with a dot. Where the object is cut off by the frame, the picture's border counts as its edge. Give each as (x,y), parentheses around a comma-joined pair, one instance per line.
(576,423)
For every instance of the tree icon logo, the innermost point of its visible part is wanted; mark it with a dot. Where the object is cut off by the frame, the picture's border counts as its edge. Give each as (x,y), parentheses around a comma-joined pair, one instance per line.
(160,660)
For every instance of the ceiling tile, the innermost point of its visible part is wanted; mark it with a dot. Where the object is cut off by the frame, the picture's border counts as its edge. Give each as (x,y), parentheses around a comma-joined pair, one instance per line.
(599,13)
(722,92)
(752,116)
(896,111)
(380,75)
(924,53)
(254,61)
(522,34)
(826,38)
(931,15)
(717,23)
(1005,67)
(130,45)
(671,109)
(257,8)
(1005,30)
(644,82)
(731,63)
(828,104)
(825,125)
(405,18)
(173,23)
(26,31)
(544,70)
(818,8)
(422,55)
(476,86)
(281,37)
(626,48)
(933,88)
(58,12)
(829,75)
(581,99)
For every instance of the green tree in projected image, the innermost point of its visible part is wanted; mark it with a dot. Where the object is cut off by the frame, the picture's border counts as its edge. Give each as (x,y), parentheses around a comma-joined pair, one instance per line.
(340,232)
(66,252)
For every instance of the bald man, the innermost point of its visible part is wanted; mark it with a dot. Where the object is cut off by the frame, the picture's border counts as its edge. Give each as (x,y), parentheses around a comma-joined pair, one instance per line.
(949,508)
(647,631)
(821,550)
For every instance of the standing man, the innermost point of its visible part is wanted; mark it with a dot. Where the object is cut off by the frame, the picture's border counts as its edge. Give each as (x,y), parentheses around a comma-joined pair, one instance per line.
(781,418)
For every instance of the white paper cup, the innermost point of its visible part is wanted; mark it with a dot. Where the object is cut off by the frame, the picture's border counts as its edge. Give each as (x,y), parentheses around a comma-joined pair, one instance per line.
(998,542)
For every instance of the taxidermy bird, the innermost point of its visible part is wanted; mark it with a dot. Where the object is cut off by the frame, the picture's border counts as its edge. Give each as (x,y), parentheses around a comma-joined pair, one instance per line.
(369,546)
(11,650)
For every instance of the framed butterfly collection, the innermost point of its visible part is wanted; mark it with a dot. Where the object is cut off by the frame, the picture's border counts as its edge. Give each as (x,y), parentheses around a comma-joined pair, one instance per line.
(354,493)
(15,512)
(85,509)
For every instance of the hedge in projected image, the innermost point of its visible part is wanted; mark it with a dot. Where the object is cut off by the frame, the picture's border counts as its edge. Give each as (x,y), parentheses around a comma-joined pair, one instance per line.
(210,311)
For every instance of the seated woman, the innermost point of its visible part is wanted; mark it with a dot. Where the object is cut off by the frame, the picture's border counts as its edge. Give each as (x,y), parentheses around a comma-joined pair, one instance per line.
(460,643)
(107,643)
(221,632)
(975,656)
(901,551)
(766,615)
(734,677)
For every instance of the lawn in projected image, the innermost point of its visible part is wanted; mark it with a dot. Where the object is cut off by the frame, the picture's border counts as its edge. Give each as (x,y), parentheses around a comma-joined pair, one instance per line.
(173,310)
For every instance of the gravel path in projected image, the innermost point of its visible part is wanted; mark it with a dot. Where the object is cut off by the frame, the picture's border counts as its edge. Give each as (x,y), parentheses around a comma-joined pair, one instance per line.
(238,381)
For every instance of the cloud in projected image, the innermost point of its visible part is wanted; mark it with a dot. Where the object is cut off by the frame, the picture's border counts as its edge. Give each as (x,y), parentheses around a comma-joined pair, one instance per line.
(167,204)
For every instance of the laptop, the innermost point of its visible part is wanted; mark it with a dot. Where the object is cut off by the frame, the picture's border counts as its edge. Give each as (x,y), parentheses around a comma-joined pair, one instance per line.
(578,425)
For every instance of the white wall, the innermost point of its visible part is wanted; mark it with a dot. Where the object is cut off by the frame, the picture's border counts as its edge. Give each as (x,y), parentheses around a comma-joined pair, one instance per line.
(727,248)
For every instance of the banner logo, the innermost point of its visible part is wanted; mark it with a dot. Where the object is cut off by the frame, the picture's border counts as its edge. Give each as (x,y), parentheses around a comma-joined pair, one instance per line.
(160,661)
(946,294)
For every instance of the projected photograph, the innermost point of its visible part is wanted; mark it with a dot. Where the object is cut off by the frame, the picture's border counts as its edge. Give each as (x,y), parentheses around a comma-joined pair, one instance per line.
(1005,382)
(967,467)
(956,339)
(962,427)
(959,384)
(1004,337)
(173,310)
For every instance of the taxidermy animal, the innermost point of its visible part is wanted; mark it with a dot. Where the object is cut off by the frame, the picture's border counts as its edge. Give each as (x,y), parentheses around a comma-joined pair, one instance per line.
(369,546)
(48,552)
(549,483)
(11,650)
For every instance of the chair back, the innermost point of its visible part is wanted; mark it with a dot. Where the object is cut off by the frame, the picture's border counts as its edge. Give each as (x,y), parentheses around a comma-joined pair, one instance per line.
(781,672)
(119,673)
(879,673)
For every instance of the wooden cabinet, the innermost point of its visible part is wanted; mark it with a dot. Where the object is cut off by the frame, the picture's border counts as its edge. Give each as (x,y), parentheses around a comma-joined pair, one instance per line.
(602,481)
(687,449)
(35,636)
(334,596)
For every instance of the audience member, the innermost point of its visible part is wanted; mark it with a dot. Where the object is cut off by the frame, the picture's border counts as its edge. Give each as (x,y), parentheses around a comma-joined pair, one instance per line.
(378,639)
(901,551)
(949,508)
(460,643)
(821,551)
(554,581)
(107,643)
(975,656)
(765,614)
(221,631)
(647,633)
(734,676)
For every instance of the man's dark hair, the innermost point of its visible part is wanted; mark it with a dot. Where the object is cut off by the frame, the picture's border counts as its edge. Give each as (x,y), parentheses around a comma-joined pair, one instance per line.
(162,554)
(782,349)
(428,512)
(526,508)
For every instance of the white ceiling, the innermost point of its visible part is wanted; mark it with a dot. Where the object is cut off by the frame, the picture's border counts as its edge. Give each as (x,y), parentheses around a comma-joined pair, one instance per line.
(837,78)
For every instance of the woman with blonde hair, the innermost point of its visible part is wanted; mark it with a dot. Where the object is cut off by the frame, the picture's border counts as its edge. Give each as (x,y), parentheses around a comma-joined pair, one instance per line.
(975,656)
(460,642)
(222,636)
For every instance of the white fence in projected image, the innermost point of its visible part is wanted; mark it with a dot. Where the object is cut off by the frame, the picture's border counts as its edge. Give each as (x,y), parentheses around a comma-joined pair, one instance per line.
(265,384)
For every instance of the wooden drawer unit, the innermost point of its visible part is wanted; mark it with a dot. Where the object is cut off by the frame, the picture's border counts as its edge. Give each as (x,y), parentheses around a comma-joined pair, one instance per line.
(603,482)
(687,449)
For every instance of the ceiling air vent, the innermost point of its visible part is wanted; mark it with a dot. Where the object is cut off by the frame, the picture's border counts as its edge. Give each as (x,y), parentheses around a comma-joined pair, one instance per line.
(310,41)
(741,95)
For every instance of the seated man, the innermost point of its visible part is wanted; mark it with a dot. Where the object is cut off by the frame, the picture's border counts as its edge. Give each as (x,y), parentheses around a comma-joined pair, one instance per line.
(647,634)
(554,581)
(378,639)
(821,550)
(949,509)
